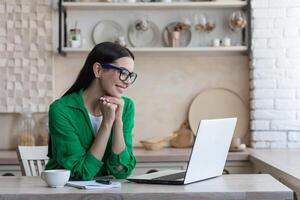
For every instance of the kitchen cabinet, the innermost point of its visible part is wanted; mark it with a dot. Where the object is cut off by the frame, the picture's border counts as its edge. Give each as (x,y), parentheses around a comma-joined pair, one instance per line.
(172,158)
(282,164)
(9,164)
(166,158)
(10,170)
(231,167)
(162,14)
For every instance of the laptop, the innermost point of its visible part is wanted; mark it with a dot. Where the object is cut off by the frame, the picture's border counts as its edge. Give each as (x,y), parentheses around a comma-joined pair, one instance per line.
(207,158)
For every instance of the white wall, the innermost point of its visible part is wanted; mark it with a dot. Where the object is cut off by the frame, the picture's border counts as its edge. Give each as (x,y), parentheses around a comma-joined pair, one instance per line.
(166,86)
(162,101)
(167,83)
(275,74)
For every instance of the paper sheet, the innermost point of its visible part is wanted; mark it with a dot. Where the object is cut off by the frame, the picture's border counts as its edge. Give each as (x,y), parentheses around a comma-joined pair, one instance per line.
(88,185)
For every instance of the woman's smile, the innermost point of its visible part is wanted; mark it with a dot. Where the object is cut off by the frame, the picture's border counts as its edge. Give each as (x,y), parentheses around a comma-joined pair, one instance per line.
(120,88)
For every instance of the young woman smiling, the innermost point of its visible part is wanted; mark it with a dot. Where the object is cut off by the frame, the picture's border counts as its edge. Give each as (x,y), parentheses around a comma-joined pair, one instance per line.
(91,124)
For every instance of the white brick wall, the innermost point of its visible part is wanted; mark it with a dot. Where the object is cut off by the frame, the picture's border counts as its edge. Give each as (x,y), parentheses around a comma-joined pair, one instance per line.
(275,74)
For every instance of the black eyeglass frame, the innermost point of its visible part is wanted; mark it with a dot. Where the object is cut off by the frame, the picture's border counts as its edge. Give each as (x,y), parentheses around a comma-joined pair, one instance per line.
(121,69)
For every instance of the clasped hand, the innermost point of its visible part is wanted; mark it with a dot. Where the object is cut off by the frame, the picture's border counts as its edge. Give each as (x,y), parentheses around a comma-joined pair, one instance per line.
(111,108)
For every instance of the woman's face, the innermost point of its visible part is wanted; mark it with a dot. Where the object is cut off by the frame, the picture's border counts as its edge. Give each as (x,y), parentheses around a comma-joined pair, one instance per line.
(110,81)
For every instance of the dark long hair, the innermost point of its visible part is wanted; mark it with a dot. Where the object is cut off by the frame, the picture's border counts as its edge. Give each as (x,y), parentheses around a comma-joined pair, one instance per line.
(105,52)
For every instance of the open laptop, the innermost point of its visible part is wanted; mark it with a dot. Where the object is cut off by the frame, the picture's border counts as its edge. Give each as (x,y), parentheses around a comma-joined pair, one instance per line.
(207,159)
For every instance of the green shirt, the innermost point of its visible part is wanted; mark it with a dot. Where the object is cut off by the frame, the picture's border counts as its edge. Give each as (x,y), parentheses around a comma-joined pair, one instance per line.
(72,135)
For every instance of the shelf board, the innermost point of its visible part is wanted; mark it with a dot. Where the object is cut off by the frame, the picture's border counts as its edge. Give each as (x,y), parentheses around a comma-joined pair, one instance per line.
(231,49)
(156,5)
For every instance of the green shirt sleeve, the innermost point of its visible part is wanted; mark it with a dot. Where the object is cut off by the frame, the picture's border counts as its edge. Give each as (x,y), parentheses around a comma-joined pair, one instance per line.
(67,148)
(126,158)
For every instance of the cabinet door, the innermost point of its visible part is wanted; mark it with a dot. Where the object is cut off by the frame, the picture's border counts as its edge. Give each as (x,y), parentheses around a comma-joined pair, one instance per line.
(238,167)
(231,167)
(10,170)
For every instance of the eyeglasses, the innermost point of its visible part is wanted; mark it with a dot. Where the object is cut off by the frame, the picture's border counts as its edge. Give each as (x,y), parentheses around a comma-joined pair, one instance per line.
(125,75)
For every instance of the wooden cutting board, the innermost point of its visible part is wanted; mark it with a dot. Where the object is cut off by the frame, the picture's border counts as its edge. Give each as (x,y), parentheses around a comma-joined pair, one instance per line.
(219,103)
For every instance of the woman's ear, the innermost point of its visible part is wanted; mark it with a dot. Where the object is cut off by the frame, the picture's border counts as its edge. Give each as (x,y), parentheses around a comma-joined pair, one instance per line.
(97,70)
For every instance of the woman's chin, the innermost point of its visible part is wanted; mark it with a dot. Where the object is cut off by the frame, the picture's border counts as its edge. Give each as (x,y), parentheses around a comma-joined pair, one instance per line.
(115,94)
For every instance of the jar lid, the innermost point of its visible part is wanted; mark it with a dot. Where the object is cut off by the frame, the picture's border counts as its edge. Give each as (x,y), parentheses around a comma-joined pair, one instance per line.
(76,30)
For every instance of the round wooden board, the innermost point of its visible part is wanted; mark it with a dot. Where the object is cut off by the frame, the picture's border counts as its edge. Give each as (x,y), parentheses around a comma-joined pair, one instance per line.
(219,103)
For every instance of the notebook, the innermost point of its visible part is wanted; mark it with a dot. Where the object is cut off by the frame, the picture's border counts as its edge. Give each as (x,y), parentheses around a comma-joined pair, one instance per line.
(89,185)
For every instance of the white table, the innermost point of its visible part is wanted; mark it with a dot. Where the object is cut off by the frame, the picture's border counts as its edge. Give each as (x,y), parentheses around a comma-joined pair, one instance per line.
(242,186)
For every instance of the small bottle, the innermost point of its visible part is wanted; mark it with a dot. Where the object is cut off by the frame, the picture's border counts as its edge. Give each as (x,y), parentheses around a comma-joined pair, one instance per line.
(75,37)
(26,135)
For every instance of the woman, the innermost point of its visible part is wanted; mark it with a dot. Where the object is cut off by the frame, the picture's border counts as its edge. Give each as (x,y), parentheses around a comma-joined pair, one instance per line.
(91,124)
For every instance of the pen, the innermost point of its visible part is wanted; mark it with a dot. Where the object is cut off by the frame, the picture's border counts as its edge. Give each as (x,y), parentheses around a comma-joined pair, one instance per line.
(103,181)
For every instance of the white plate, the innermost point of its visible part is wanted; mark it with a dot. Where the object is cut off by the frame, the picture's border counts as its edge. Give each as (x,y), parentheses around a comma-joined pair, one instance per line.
(148,38)
(107,31)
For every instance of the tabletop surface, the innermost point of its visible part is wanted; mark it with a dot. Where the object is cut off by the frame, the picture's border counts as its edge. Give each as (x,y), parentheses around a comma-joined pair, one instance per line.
(225,183)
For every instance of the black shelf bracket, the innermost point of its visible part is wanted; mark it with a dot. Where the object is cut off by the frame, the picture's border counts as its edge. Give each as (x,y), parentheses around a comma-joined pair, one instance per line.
(249,27)
(62,34)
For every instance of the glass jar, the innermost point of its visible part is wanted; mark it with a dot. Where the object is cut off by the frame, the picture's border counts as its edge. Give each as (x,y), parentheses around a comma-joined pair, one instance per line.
(42,132)
(75,38)
(26,136)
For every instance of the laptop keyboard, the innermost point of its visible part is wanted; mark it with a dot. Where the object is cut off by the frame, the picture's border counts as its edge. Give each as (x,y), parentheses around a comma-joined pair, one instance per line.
(171,177)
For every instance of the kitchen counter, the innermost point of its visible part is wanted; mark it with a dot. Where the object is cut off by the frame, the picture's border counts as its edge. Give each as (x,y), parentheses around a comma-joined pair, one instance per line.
(284,164)
(9,157)
(280,163)
(285,160)
(178,155)
(243,187)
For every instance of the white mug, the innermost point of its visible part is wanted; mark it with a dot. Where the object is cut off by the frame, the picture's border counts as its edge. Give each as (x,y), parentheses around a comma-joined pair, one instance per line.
(216,42)
(56,177)
(226,42)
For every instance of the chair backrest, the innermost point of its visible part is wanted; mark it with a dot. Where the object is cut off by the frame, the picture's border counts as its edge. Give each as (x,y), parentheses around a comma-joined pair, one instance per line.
(33,159)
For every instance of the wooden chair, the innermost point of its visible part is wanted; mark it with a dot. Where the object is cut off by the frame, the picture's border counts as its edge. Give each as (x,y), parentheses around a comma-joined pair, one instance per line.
(33,159)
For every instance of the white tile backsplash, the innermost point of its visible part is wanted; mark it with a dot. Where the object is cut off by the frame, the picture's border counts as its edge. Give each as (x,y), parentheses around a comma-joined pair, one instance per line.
(26,44)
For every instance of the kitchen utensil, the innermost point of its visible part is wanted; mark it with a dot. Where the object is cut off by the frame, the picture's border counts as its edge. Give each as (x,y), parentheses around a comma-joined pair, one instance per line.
(239,148)
(216,42)
(185,34)
(210,24)
(226,42)
(235,142)
(237,21)
(143,33)
(156,143)
(107,30)
(56,177)
(183,137)
(219,103)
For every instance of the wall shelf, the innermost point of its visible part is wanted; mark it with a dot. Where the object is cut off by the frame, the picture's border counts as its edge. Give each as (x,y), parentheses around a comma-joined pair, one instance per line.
(232,49)
(156,5)
(215,4)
